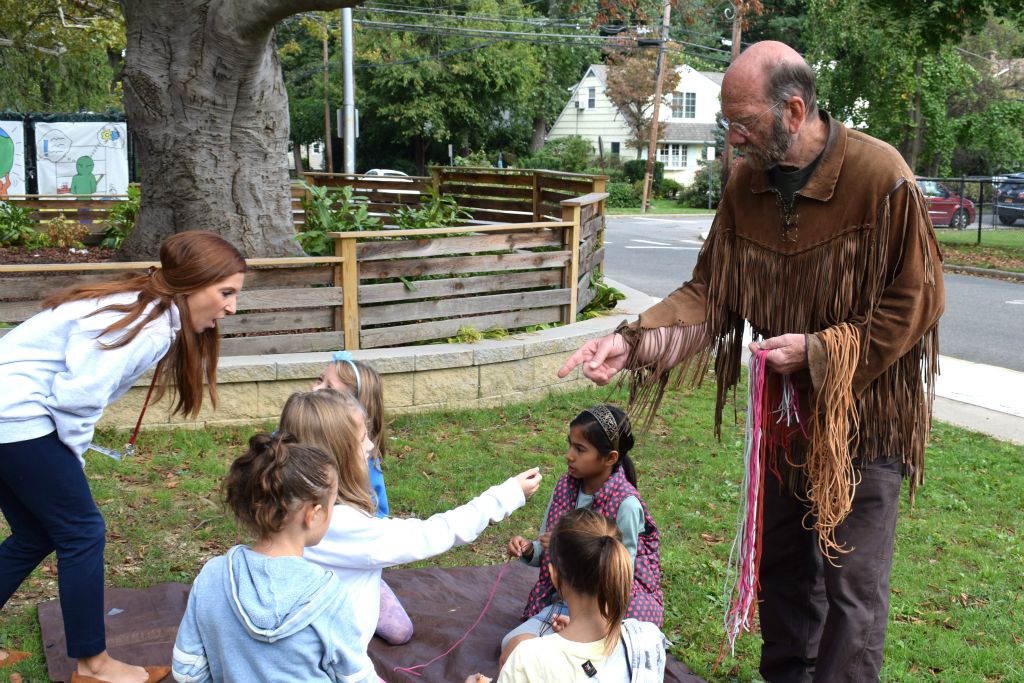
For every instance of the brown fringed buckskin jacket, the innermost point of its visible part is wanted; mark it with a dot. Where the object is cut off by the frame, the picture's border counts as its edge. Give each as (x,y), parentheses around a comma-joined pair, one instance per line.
(858,248)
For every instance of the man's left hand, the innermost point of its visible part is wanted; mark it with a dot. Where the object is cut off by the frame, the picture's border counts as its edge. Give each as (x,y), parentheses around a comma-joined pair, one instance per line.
(786,354)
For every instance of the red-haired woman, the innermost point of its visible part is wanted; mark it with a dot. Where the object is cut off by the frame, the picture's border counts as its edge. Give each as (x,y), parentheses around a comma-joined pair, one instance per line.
(59,370)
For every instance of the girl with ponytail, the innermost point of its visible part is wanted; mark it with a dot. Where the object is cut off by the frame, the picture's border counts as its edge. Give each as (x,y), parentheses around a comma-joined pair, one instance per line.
(262,612)
(593,572)
(59,370)
(600,477)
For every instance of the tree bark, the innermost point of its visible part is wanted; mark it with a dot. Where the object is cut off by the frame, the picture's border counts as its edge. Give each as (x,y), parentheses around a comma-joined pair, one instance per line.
(540,129)
(205,99)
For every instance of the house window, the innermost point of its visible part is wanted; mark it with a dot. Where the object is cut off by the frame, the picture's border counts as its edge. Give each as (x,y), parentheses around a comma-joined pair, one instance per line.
(672,155)
(690,105)
(615,149)
(677,105)
(591,98)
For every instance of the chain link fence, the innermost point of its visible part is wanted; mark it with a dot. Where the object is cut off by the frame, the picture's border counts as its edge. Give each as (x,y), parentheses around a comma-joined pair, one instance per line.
(980,203)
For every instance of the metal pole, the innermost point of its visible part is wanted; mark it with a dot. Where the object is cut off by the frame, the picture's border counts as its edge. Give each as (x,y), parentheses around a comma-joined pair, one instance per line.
(327,109)
(652,144)
(349,101)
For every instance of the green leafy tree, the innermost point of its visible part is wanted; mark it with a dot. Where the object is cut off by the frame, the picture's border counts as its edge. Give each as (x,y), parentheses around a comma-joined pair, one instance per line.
(60,57)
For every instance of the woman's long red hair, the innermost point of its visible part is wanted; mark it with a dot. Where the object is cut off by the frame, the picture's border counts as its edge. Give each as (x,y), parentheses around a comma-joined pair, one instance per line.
(189,261)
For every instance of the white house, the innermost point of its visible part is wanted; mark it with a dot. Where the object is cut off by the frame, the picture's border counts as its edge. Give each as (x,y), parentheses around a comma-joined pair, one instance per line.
(687,118)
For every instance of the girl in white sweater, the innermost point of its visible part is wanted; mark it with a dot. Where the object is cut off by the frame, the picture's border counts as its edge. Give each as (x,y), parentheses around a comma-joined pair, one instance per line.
(358,544)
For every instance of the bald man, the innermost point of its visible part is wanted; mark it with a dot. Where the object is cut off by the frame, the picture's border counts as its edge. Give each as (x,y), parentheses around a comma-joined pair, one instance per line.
(823,245)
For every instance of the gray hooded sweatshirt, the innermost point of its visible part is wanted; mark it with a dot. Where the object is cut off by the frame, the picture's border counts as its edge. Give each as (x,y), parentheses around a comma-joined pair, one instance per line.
(253,618)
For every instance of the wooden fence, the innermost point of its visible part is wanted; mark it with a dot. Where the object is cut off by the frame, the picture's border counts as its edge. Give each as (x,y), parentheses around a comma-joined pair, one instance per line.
(386,288)
(491,195)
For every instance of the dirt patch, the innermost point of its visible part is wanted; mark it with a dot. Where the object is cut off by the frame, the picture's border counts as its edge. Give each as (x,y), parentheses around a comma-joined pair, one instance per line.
(18,255)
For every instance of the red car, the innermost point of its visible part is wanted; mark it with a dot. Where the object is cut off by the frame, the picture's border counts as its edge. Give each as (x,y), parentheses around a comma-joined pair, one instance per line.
(945,206)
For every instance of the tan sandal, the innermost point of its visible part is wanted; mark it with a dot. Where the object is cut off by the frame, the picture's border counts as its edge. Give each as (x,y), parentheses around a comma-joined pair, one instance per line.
(155,673)
(13,657)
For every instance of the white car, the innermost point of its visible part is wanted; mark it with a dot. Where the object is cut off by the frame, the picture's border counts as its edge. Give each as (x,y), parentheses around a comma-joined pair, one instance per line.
(386,172)
(391,176)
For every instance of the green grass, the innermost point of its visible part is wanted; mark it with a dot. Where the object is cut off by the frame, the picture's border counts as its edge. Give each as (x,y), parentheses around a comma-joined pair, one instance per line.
(958,588)
(999,249)
(658,206)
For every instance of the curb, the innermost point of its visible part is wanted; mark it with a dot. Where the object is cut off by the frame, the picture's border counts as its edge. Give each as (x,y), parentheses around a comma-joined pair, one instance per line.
(983,272)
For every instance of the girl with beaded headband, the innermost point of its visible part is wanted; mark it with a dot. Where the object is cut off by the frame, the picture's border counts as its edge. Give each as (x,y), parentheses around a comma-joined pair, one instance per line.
(600,477)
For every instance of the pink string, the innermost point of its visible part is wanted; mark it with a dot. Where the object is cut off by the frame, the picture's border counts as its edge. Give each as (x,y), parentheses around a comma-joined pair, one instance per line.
(494,589)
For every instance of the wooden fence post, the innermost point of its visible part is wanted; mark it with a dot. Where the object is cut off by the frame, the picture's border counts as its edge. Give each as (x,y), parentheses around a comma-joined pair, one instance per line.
(571,275)
(536,196)
(435,178)
(345,246)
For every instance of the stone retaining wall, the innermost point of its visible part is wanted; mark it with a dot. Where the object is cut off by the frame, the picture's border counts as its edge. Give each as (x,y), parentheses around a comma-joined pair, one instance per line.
(252,389)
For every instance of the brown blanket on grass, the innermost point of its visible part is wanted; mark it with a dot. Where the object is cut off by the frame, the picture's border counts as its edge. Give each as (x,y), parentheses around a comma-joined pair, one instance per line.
(443,604)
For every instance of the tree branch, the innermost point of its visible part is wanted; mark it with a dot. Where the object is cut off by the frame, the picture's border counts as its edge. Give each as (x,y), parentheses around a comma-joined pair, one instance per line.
(260,16)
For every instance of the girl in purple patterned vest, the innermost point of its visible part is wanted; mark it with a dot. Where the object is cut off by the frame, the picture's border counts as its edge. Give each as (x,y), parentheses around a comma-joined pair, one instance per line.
(601,477)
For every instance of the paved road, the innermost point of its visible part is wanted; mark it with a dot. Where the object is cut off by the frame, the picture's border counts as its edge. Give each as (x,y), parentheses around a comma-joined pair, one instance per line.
(983,322)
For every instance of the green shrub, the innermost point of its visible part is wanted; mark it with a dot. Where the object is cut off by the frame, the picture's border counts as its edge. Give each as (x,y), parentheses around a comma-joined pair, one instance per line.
(605,297)
(121,220)
(571,154)
(435,211)
(328,210)
(622,196)
(17,228)
(473,159)
(635,169)
(695,194)
(668,189)
(64,233)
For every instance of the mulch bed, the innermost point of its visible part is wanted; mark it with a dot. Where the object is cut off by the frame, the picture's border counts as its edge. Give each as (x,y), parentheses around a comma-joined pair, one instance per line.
(17,255)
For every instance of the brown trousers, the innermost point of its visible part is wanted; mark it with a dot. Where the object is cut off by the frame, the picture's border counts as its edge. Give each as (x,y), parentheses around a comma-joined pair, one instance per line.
(821,623)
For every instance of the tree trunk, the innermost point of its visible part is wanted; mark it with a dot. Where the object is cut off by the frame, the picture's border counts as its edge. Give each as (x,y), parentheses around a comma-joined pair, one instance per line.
(540,129)
(205,99)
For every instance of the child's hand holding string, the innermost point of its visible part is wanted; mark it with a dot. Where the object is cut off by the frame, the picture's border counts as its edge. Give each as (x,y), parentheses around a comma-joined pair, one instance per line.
(519,547)
(544,540)
(559,623)
(529,481)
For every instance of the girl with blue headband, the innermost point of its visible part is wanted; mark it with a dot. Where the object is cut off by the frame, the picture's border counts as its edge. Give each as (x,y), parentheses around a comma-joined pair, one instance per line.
(358,379)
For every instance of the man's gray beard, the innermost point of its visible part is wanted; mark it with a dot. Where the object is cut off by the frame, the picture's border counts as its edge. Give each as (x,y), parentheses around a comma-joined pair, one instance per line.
(774,150)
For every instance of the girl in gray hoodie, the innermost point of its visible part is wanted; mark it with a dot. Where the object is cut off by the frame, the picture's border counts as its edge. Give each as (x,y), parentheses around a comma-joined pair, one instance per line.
(263,613)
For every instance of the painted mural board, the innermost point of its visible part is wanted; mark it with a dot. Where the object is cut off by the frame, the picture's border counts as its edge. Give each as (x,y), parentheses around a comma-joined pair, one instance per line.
(12,158)
(79,158)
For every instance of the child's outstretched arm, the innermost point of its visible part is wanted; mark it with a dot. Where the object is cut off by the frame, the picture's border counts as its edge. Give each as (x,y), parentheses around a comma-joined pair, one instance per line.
(358,541)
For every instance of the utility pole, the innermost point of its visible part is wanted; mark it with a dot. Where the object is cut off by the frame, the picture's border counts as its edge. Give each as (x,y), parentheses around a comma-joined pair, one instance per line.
(327,107)
(652,144)
(349,100)
(737,32)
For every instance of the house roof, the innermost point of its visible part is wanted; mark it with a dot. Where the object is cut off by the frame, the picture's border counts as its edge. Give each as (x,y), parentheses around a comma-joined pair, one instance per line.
(716,76)
(687,132)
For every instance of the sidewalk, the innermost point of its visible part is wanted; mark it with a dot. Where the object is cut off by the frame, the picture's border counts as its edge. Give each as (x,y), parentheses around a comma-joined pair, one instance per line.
(982,398)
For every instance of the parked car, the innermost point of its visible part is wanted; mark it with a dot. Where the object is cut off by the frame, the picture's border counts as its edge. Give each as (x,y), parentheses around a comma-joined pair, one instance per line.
(1010,198)
(385,172)
(945,206)
(391,176)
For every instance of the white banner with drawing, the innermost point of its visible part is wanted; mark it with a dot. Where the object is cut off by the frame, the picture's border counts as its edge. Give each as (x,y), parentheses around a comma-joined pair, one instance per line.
(12,158)
(82,158)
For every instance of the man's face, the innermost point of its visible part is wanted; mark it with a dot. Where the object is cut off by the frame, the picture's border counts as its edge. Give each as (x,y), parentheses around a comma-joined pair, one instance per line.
(767,141)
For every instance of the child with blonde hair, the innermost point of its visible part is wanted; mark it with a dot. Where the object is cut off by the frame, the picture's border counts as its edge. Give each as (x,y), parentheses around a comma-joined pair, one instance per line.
(362,381)
(359,544)
(263,612)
